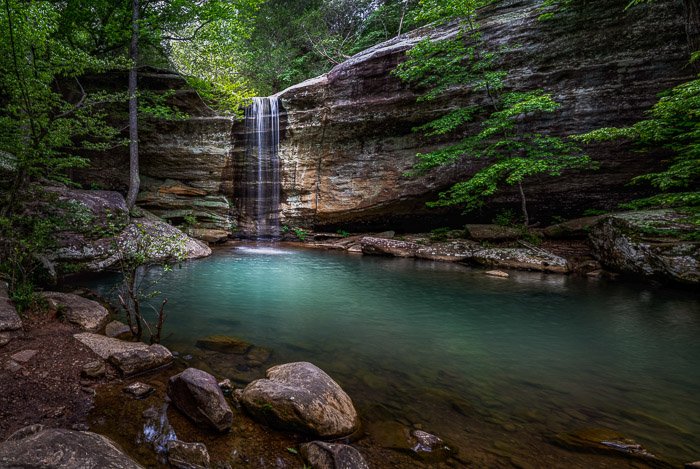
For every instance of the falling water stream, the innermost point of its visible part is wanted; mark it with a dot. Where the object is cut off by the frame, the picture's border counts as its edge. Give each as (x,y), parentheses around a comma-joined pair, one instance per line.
(261,176)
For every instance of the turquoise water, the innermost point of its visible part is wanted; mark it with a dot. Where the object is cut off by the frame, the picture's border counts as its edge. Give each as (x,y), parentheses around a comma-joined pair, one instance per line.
(472,358)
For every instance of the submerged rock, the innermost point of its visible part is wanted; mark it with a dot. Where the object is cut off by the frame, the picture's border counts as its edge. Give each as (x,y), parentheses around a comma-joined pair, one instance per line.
(139,390)
(648,244)
(187,455)
(37,446)
(301,397)
(89,315)
(224,344)
(428,446)
(197,394)
(603,441)
(322,455)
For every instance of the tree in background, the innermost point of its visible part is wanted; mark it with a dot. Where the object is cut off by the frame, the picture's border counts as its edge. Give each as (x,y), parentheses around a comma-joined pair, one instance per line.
(511,150)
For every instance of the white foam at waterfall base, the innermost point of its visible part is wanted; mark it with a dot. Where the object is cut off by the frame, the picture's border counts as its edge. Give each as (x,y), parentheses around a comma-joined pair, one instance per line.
(263,250)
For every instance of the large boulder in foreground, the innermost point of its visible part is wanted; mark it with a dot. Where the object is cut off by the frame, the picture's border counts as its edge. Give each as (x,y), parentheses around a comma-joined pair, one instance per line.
(301,397)
(129,358)
(89,315)
(197,394)
(653,244)
(58,448)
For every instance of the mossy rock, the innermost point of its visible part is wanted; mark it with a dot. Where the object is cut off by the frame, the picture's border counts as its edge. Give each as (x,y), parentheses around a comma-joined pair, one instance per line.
(224,344)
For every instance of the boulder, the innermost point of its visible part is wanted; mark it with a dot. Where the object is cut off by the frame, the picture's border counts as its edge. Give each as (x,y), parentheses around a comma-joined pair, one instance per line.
(652,244)
(519,258)
(224,344)
(209,235)
(197,394)
(94,369)
(322,455)
(57,448)
(117,330)
(577,228)
(10,323)
(301,397)
(187,455)
(129,357)
(388,247)
(89,315)
(491,232)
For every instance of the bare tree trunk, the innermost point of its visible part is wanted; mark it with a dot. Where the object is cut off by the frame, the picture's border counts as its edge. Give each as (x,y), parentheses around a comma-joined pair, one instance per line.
(403,15)
(134,181)
(523,205)
(692,26)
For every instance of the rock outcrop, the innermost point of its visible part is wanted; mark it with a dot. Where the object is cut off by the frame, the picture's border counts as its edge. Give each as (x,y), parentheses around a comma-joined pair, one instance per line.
(651,244)
(128,357)
(197,394)
(89,315)
(301,397)
(37,446)
(10,323)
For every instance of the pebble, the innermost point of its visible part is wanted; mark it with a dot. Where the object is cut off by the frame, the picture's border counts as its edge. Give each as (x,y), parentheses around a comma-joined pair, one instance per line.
(139,390)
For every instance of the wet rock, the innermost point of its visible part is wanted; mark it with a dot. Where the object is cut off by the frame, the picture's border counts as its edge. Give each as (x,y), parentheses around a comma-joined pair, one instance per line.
(187,455)
(322,455)
(139,390)
(257,356)
(301,397)
(603,441)
(197,394)
(37,446)
(692,465)
(496,273)
(94,369)
(388,247)
(648,244)
(129,357)
(491,232)
(226,386)
(131,362)
(577,228)
(24,356)
(117,330)
(89,315)
(428,446)
(224,344)
(519,258)
(10,323)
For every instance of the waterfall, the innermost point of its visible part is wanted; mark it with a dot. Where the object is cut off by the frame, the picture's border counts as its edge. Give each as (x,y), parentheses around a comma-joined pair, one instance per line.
(261,168)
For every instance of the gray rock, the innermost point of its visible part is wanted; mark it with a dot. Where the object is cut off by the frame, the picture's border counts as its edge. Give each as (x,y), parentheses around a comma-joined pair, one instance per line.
(117,330)
(10,323)
(301,397)
(519,258)
(139,390)
(648,244)
(89,315)
(24,356)
(37,446)
(197,394)
(131,362)
(129,357)
(187,455)
(491,232)
(388,247)
(497,273)
(322,455)
(429,446)
(94,369)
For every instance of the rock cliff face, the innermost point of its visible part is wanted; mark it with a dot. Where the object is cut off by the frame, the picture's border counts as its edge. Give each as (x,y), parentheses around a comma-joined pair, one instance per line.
(347,140)
(348,136)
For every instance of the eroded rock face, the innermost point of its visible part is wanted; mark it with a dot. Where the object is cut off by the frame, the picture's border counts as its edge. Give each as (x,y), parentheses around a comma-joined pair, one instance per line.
(197,394)
(348,136)
(37,446)
(301,397)
(10,323)
(89,315)
(648,244)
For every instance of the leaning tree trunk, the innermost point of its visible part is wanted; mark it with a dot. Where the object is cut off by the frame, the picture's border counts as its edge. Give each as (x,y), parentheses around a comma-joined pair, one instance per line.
(523,205)
(134,180)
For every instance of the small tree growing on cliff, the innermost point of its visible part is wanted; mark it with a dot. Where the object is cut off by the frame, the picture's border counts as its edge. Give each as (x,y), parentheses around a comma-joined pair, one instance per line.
(511,151)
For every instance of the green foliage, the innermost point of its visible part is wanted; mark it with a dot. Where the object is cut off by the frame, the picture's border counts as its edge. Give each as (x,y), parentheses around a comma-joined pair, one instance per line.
(673,124)
(343,233)
(300,233)
(505,217)
(190,220)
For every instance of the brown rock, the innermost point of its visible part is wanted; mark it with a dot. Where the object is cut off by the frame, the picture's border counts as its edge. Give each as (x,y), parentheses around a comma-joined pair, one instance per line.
(322,455)
(224,344)
(139,390)
(94,369)
(187,455)
(134,361)
(197,394)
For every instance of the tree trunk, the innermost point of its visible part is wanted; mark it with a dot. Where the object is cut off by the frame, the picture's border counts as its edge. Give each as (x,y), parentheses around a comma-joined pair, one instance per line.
(134,180)
(523,205)
(692,26)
